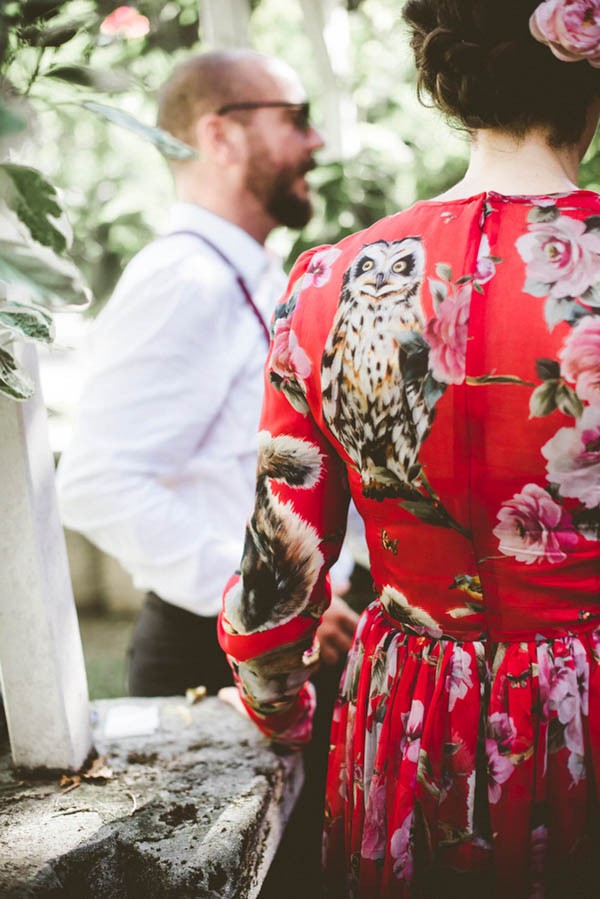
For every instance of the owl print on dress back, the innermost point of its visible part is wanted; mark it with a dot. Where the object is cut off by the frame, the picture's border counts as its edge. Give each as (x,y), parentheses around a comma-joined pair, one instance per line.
(373,393)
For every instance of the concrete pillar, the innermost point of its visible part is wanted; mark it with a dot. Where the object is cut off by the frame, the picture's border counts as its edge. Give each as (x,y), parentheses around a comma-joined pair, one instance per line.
(328,29)
(224,23)
(44,685)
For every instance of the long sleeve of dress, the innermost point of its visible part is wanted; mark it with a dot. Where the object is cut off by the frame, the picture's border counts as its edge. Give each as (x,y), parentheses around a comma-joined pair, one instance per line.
(272,607)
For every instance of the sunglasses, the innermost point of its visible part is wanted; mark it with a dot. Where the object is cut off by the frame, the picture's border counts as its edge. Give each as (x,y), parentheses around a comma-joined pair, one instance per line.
(301,111)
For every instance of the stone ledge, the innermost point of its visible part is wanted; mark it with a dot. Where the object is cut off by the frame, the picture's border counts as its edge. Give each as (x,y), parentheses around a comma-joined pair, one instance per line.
(195,809)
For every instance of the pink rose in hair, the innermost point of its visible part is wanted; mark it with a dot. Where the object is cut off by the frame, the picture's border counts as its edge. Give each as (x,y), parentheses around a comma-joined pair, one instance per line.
(533,528)
(571,28)
(447,335)
(580,358)
(562,255)
(573,456)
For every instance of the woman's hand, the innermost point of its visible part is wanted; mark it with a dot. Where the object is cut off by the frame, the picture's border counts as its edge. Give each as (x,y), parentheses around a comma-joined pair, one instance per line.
(232,696)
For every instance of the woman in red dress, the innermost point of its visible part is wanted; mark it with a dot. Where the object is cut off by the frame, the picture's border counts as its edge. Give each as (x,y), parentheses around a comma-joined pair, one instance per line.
(443,369)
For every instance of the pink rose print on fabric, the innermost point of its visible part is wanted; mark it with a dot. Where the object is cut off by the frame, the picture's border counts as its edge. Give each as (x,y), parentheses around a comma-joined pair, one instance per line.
(288,359)
(573,456)
(568,698)
(501,733)
(375,828)
(401,849)
(413,731)
(534,528)
(447,335)
(580,358)
(571,28)
(562,259)
(125,21)
(459,681)
(485,268)
(319,269)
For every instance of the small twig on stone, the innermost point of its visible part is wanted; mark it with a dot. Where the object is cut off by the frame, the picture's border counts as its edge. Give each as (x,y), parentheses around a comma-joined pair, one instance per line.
(70,811)
(133,799)
(68,789)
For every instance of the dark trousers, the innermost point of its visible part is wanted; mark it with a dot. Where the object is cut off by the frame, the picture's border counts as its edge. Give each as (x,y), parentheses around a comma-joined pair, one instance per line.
(173,649)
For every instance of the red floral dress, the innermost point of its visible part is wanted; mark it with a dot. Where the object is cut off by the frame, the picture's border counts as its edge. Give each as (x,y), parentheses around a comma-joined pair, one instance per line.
(443,369)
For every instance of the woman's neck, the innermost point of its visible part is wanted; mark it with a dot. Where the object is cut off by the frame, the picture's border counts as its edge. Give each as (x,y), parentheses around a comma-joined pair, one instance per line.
(509,165)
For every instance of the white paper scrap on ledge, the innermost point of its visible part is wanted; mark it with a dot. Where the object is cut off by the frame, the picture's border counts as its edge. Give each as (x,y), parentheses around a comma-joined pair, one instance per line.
(131,721)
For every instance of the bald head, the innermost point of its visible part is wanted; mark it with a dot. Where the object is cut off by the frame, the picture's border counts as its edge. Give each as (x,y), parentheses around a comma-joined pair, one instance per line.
(205,83)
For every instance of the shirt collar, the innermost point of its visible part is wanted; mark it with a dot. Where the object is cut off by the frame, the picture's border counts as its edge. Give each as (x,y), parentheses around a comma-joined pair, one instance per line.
(249,257)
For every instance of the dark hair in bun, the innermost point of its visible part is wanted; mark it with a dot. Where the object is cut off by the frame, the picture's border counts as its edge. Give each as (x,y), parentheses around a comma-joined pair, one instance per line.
(480,64)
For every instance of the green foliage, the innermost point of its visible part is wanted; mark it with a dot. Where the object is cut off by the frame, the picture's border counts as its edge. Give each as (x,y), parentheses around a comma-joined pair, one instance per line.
(164,142)
(55,55)
(41,276)
(35,201)
(9,122)
(27,322)
(406,152)
(14,380)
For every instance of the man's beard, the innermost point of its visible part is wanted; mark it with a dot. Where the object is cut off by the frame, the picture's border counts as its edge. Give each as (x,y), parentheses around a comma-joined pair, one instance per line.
(275,190)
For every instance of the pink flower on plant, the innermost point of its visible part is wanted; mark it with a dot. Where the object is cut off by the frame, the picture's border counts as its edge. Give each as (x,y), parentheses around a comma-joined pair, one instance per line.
(288,359)
(573,456)
(126,22)
(561,255)
(319,268)
(580,359)
(571,28)
(447,335)
(534,528)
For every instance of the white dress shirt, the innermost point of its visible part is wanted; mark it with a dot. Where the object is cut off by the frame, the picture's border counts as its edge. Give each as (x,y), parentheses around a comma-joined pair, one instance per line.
(160,471)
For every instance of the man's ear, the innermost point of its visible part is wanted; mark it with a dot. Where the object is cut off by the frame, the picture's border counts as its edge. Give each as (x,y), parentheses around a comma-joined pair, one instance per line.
(220,138)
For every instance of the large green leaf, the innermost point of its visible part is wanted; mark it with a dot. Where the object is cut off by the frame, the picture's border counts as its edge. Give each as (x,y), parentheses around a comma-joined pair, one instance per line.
(51,37)
(26,322)
(9,122)
(109,82)
(36,203)
(14,379)
(47,279)
(168,145)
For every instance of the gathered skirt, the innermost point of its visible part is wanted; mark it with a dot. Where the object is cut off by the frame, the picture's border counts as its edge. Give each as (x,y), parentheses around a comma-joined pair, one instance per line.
(457,767)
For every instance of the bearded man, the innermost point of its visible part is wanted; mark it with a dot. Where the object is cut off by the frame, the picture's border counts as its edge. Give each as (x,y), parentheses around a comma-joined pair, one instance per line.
(160,470)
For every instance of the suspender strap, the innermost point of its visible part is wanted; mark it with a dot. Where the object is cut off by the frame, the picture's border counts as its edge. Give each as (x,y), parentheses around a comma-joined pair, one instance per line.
(241,283)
